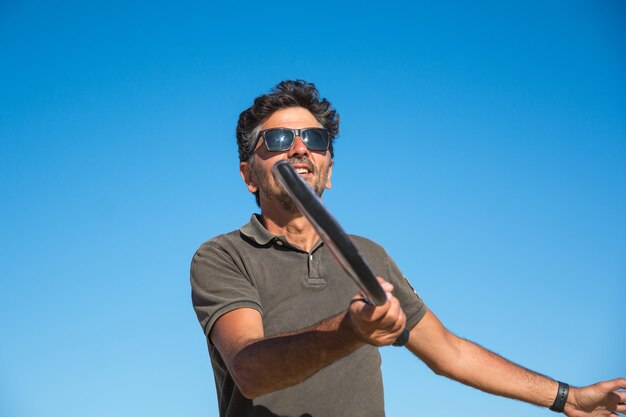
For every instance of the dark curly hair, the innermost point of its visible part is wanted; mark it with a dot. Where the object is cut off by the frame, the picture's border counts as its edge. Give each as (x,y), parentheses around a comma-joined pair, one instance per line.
(288,93)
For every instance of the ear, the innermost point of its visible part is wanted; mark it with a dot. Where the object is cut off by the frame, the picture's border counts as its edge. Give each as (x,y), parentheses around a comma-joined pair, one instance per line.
(330,174)
(245,170)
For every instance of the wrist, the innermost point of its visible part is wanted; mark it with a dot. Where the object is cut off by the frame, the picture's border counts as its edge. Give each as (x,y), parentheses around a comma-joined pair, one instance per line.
(561,398)
(571,404)
(349,327)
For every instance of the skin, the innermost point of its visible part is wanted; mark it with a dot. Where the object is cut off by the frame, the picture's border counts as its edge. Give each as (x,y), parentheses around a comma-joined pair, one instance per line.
(261,365)
(280,218)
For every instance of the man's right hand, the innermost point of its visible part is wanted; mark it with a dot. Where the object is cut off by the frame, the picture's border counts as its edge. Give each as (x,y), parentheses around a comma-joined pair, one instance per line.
(378,326)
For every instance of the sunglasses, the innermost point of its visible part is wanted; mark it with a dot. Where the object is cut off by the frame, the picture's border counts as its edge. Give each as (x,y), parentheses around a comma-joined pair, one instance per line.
(281,139)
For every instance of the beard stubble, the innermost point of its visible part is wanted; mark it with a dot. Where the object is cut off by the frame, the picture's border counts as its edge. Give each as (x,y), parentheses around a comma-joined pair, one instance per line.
(273,190)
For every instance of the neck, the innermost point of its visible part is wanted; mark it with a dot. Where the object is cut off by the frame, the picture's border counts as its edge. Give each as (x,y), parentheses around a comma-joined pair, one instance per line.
(294,226)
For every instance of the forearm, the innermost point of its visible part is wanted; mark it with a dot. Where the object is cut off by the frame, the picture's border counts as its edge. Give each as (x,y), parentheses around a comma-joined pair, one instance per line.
(260,365)
(489,372)
(273,363)
(470,364)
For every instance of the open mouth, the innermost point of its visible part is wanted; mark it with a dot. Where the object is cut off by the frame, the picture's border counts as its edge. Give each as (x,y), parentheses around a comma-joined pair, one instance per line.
(302,169)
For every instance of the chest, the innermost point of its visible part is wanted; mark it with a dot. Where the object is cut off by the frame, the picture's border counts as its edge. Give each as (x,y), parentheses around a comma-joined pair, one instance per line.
(298,289)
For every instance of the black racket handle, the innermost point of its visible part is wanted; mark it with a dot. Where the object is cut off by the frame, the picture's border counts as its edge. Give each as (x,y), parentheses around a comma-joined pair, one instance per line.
(333,235)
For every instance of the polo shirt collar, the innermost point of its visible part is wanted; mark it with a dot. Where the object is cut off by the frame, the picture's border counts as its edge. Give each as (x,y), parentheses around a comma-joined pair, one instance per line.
(256,231)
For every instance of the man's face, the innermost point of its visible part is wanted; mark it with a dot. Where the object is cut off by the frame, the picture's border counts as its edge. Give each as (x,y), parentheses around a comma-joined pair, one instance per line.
(316,166)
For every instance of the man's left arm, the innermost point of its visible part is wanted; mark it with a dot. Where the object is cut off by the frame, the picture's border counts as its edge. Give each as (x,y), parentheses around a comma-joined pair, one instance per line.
(464,361)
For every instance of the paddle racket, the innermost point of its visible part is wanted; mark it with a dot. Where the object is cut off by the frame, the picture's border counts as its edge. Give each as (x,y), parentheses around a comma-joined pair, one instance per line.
(331,233)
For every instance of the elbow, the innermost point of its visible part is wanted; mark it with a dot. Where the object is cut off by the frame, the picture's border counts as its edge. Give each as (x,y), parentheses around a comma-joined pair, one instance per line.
(440,371)
(437,369)
(250,385)
(250,391)
(443,368)
(247,393)
(246,385)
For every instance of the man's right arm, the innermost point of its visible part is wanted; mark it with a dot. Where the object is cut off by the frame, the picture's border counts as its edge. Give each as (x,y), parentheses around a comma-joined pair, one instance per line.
(260,365)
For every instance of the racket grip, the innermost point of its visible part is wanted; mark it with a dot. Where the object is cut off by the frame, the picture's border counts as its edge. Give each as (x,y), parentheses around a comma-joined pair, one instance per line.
(402,339)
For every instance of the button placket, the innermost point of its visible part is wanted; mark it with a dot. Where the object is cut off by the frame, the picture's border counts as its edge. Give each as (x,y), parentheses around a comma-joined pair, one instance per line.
(316,273)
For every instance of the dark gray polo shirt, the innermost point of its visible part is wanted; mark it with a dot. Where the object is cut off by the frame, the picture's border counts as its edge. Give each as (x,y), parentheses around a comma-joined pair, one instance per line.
(293,289)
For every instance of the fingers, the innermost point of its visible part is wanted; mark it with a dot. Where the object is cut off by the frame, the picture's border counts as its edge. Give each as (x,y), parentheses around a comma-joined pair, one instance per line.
(367,309)
(616,395)
(621,402)
(617,383)
(377,325)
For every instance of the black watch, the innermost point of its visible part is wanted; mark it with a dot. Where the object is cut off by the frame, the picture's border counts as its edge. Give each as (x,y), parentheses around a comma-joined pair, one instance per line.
(561,398)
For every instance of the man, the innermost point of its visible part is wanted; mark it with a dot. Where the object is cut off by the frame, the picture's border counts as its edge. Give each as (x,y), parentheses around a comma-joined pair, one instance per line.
(286,333)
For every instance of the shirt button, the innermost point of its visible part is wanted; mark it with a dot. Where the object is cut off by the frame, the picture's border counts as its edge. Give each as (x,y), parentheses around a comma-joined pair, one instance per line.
(279,242)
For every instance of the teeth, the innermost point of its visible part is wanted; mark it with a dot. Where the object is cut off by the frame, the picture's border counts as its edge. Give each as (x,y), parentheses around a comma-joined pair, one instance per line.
(302,170)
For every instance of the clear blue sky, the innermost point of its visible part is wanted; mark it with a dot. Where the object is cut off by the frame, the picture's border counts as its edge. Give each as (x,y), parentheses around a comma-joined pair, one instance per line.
(483,144)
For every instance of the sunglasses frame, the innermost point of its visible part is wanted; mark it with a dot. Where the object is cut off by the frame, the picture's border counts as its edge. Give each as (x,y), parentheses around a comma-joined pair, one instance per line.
(295,132)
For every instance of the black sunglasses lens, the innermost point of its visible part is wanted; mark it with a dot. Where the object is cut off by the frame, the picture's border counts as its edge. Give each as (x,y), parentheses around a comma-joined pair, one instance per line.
(316,139)
(278,139)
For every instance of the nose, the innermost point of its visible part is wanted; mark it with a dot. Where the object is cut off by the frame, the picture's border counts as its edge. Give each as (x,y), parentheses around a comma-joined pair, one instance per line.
(298,147)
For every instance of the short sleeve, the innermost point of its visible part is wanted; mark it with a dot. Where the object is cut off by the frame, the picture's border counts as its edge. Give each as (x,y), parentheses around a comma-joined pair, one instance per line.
(219,284)
(412,304)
